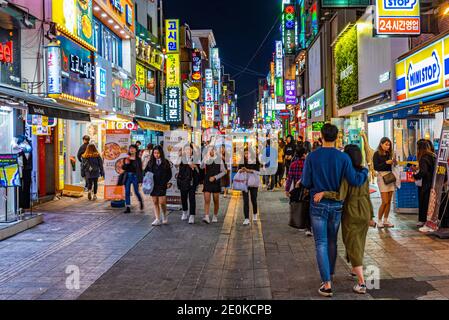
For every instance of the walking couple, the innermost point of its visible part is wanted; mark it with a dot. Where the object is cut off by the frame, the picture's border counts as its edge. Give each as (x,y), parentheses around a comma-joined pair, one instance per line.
(338,184)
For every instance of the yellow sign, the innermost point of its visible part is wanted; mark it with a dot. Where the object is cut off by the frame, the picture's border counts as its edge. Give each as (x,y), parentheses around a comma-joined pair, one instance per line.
(423,73)
(398,17)
(140,76)
(193,93)
(173,70)
(172,35)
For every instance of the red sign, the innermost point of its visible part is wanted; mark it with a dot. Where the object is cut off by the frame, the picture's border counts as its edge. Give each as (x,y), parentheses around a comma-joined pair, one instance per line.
(130,94)
(6,53)
(401,25)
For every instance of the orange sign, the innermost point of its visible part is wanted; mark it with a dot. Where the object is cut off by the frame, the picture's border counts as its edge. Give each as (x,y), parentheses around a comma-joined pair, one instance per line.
(121,11)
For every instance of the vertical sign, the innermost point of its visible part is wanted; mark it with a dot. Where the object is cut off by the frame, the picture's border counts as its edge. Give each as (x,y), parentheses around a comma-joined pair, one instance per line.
(279,61)
(54,82)
(439,178)
(290,91)
(172,35)
(173,105)
(196,66)
(289,28)
(173,70)
(398,17)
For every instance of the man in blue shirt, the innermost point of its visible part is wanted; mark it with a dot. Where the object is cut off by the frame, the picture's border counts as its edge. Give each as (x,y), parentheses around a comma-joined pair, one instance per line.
(324,170)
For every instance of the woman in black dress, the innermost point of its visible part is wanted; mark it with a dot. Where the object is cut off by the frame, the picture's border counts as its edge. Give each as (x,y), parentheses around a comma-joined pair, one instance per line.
(214,170)
(162,174)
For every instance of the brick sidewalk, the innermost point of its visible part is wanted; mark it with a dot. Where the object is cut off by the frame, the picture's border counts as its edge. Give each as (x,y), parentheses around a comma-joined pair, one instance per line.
(123,257)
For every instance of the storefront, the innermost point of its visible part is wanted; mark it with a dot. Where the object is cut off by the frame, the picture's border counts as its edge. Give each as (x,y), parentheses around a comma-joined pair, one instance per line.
(150,118)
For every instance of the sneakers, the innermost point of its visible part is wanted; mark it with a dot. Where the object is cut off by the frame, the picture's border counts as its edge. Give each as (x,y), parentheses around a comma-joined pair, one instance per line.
(128,210)
(359,288)
(380,224)
(89,195)
(309,233)
(425,229)
(192,219)
(214,219)
(388,224)
(94,197)
(156,222)
(325,292)
(420,224)
(85,189)
(185,216)
(206,219)
(164,219)
(255,217)
(246,222)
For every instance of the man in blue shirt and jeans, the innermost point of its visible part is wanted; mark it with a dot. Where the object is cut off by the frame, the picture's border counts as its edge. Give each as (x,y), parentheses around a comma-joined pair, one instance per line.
(324,170)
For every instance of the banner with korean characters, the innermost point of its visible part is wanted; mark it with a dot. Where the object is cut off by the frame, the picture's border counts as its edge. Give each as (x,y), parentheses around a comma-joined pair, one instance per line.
(424,72)
(172,35)
(398,17)
(114,154)
(439,178)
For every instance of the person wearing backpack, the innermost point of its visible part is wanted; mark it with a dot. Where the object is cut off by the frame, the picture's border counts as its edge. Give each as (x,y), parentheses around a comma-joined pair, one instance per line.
(188,181)
(93,169)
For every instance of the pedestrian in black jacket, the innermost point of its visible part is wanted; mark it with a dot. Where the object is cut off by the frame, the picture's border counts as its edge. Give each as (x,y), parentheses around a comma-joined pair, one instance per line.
(250,166)
(162,174)
(81,150)
(134,176)
(289,152)
(93,169)
(188,181)
(425,171)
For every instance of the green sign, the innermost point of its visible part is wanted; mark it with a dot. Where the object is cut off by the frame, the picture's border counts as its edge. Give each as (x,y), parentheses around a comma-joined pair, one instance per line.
(346,65)
(345,3)
(316,126)
(279,87)
(315,106)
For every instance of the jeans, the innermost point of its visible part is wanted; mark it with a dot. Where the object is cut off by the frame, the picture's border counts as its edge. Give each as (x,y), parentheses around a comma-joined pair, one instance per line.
(325,217)
(92,182)
(131,179)
(188,195)
(253,192)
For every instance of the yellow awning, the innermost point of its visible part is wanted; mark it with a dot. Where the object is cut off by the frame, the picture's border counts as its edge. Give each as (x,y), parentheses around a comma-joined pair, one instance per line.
(148,125)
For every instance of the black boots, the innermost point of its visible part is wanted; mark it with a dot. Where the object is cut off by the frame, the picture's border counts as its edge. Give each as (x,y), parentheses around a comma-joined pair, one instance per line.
(128,210)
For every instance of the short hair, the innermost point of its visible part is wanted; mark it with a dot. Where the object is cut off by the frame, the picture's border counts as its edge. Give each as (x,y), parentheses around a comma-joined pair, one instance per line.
(87,138)
(329,132)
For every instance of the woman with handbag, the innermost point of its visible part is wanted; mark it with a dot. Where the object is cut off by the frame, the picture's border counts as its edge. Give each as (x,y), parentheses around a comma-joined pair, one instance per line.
(188,181)
(251,168)
(293,180)
(162,174)
(383,162)
(427,160)
(214,170)
(132,168)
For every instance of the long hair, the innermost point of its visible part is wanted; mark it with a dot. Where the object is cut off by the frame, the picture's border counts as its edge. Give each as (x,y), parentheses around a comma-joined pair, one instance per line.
(355,154)
(91,151)
(162,157)
(381,150)
(424,148)
(135,147)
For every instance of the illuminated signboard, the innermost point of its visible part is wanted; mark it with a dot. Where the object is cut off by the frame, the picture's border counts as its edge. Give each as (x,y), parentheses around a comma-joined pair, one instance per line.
(398,17)
(279,62)
(75,16)
(103,82)
(216,64)
(172,35)
(345,3)
(196,66)
(173,70)
(289,28)
(315,105)
(425,72)
(173,109)
(209,78)
(54,81)
(290,91)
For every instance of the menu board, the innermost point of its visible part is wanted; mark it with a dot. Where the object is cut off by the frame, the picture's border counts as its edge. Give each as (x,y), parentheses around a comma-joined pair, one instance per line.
(114,153)
(9,171)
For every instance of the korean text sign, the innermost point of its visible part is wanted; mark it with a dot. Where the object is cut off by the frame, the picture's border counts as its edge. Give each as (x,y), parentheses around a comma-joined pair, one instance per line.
(398,17)
(172,35)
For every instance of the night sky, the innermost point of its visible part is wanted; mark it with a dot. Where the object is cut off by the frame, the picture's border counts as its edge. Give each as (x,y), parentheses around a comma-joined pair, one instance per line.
(239,27)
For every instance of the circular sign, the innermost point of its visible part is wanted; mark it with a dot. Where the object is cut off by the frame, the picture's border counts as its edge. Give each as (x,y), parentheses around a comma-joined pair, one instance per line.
(193,93)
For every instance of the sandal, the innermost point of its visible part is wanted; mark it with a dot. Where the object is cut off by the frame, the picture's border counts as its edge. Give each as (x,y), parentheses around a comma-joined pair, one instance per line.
(387,224)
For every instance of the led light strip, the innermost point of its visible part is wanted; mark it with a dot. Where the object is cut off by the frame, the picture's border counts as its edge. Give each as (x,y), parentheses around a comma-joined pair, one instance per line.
(69,97)
(75,38)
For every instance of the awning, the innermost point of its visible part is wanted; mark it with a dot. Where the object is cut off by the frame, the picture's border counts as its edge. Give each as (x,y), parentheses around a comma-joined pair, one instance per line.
(408,108)
(154,126)
(43,107)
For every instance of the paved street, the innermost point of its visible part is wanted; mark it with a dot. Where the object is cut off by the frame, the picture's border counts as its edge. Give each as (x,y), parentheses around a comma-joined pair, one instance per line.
(123,257)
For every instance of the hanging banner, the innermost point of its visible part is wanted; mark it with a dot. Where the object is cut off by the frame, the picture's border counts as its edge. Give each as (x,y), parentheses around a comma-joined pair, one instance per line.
(173,70)
(115,152)
(439,178)
(398,17)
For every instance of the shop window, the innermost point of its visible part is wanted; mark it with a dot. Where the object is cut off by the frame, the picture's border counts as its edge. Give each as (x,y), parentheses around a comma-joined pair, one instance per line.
(109,46)
(97,37)
(149,23)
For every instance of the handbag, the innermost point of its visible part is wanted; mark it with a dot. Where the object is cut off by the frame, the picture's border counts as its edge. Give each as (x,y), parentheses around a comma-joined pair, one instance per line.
(240,182)
(148,183)
(253,180)
(299,208)
(389,178)
(122,179)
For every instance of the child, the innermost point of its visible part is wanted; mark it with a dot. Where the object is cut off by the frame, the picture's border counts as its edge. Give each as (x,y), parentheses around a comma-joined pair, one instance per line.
(357,214)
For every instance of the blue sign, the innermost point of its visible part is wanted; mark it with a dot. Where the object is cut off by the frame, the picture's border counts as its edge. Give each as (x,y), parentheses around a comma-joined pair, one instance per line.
(129,15)
(103,89)
(399,4)
(425,73)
